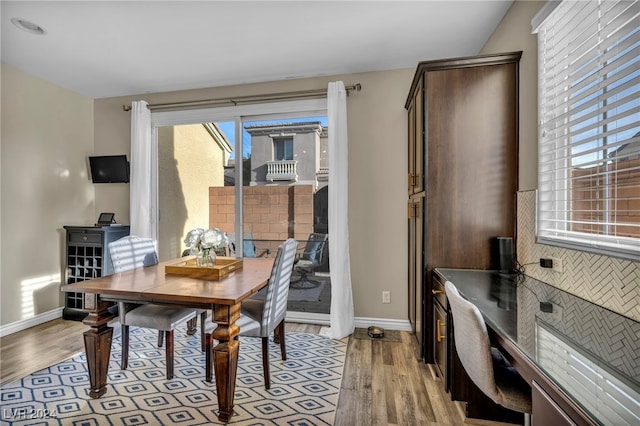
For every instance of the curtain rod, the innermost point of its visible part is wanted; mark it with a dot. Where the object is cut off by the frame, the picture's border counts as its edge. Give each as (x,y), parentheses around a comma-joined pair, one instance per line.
(239,100)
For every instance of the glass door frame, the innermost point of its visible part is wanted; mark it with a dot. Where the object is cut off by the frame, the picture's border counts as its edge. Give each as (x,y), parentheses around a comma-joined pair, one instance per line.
(237,114)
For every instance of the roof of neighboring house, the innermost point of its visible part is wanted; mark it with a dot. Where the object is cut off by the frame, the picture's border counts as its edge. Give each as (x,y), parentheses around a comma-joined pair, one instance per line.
(218,136)
(627,151)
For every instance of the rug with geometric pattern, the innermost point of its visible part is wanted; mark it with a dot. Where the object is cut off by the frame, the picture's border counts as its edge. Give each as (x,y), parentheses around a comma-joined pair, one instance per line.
(304,388)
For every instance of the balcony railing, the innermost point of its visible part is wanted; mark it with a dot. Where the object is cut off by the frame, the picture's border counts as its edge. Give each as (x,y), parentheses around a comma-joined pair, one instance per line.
(282,170)
(322,174)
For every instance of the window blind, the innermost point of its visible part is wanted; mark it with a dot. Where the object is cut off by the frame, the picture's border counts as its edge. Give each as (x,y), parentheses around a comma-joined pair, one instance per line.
(603,394)
(589,129)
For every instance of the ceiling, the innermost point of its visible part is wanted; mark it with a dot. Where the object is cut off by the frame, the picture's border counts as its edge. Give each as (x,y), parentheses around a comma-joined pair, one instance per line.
(116,48)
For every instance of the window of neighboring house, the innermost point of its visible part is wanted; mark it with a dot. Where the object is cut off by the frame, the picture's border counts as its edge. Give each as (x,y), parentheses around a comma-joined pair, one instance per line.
(589,134)
(283,149)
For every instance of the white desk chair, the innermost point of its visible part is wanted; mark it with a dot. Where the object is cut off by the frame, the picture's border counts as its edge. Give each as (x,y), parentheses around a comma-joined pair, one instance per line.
(485,365)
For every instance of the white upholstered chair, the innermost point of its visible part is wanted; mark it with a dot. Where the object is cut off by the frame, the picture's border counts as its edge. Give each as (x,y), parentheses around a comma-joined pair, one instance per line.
(484,364)
(262,318)
(136,252)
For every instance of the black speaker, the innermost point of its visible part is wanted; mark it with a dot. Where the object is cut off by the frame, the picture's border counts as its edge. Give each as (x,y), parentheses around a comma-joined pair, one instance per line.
(502,254)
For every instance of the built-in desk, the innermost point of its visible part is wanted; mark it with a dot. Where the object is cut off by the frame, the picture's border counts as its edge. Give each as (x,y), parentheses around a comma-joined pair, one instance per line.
(582,360)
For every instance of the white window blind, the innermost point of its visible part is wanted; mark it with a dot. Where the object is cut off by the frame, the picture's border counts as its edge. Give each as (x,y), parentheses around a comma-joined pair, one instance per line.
(608,398)
(589,130)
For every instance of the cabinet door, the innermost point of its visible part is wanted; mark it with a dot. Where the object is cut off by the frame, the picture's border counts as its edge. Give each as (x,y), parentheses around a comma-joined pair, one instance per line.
(472,162)
(545,410)
(416,266)
(440,340)
(412,263)
(416,142)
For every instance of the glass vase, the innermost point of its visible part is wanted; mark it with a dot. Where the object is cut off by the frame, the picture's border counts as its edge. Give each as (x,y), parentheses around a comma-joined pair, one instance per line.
(207,258)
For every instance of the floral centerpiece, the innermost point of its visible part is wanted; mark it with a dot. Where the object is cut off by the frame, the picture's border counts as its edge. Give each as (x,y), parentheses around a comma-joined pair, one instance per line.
(201,242)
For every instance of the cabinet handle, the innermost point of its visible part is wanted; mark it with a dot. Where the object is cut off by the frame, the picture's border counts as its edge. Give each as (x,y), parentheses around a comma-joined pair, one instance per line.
(410,210)
(436,292)
(412,180)
(440,336)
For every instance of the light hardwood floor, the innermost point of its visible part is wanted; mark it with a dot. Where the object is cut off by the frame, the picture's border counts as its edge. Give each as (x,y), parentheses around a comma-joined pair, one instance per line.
(384,383)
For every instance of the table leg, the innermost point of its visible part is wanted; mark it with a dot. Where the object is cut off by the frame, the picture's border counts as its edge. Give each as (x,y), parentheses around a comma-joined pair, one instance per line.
(225,356)
(97,343)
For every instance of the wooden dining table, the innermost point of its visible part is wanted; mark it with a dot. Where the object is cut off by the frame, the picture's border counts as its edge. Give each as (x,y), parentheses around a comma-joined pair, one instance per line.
(153,285)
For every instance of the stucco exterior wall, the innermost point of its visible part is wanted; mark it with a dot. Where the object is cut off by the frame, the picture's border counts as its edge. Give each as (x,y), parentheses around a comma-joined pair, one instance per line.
(189,162)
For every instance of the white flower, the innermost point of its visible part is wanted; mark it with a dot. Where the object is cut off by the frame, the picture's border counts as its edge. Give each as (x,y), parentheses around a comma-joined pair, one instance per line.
(193,237)
(211,238)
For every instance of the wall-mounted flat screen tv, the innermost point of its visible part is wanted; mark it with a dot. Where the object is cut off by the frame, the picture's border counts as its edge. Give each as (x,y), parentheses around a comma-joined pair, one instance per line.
(109,169)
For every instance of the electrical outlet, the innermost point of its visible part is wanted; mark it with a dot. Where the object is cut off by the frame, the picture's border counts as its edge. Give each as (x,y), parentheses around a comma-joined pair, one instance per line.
(551,311)
(546,262)
(557,264)
(386,297)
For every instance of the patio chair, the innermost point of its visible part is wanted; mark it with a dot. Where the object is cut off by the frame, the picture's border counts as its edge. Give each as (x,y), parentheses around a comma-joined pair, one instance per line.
(313,256)
(249,248)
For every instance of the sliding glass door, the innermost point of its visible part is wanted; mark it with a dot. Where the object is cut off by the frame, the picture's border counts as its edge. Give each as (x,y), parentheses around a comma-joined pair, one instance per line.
(286,197)
(280,157)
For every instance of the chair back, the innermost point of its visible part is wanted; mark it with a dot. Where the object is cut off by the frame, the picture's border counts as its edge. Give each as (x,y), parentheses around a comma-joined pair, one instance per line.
(472,342)
(248,245)
(132,252)
(275,305)
(314,250)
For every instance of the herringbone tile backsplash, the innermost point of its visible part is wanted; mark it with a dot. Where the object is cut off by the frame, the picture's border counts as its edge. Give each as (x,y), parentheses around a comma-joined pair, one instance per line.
(607,281)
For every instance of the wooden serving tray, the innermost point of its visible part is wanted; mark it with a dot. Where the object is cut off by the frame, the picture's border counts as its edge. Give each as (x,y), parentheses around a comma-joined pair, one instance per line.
(223,267)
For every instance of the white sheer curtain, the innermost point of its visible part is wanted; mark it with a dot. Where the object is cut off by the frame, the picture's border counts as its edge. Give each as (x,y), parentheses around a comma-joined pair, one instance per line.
(341,313)
(143,197)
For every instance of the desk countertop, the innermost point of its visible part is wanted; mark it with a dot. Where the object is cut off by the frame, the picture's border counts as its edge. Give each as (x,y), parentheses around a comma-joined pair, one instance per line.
(589,351)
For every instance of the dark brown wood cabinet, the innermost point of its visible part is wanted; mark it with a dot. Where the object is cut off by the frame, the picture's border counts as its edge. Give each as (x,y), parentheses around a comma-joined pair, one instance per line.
(547,411)
(440,343)
(463,157)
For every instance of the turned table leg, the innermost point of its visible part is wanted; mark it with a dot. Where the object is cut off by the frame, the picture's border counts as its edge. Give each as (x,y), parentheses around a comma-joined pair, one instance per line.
(97,343)
(225,356)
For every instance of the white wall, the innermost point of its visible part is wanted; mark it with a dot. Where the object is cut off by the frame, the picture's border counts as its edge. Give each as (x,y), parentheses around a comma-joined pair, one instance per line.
(47,134)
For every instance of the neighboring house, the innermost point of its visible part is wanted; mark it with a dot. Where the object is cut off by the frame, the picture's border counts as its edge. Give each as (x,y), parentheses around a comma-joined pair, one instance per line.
(628,151)
(289,153)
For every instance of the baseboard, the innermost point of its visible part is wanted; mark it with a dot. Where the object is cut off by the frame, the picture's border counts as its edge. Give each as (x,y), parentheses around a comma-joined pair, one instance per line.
(299,317)
(386,323)
(360,322)
(14,327)
(307,318)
